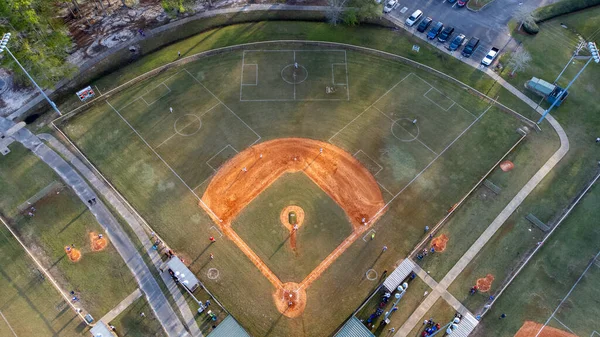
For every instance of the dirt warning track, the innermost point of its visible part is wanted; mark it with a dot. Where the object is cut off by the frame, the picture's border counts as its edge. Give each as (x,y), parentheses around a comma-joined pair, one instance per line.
(335,171)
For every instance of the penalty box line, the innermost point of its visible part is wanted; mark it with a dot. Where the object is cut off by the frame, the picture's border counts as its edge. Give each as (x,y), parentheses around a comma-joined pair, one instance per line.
(436,89)
(216,154)
(185,126)
(164,162)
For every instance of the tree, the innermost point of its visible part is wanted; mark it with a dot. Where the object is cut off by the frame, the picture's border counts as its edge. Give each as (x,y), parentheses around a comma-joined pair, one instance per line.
(334,10)
(522,14)
(519,60)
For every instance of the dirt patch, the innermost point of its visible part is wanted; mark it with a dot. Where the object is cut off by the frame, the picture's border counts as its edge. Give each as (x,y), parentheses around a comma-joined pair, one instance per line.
(531,329)
(73,254)
(485,284)
(439,243)
(284,217)
(98,243)
(290,300)
(507,165)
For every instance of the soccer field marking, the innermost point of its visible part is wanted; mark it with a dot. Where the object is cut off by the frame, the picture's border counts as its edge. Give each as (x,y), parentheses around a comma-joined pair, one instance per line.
(441,107)
(568,294)
(218,231)
(372,104)
(433,87)
(256,76)
(180,131)
(216,154)
(161,96)
(177,133)
(373,160)
(564,325)
(9,326)
(225,105)
(161,159)
(594,333)
(333,73)
(415,137)
(347,81)
(385,189)
(368,234)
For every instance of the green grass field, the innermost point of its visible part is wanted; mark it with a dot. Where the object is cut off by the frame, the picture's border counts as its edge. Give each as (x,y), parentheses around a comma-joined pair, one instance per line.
(162,166)
(130,323)
(325,226)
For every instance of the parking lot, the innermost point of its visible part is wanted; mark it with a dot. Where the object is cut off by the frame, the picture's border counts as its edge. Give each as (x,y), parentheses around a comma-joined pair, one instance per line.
(489,24)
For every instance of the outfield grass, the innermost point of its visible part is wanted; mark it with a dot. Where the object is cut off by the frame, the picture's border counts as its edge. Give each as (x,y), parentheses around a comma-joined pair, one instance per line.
(325,226)
(171,209)
(549,276)
(130,323)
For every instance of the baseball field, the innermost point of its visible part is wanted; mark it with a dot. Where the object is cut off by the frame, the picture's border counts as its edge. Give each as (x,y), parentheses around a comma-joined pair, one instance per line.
(366,149)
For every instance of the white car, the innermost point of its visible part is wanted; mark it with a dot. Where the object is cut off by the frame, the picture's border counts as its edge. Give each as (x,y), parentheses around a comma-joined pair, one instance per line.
(390,5)
(414,17)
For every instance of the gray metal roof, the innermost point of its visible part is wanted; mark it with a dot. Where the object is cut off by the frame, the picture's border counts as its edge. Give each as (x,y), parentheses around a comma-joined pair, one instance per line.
(354,328)
(398,275)
(101,330)
(183,273)
(466,326)
(229,327)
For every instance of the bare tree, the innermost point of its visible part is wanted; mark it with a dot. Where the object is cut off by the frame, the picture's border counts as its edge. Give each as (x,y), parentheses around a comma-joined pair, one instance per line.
(334,10)
(522,14)
(519,60)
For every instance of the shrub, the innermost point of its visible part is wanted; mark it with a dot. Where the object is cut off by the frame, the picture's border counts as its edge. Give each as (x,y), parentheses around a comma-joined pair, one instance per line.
(530,26)
(562,7)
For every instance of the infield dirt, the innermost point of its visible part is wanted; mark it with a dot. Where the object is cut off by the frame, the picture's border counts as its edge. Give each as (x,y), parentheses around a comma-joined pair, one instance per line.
(531,329)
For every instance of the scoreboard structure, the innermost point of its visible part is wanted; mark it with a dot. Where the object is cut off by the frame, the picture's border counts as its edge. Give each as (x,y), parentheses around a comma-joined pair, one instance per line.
(85,93)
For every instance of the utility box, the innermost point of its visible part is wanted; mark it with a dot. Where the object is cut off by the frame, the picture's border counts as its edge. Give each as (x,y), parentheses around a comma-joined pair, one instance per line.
(546,89)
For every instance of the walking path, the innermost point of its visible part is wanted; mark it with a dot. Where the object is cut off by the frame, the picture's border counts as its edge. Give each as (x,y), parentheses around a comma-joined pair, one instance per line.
(116,311)
(136,226)
(158,302)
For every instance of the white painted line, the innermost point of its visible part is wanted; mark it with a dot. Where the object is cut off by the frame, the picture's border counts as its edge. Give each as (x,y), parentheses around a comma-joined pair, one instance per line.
(242,74)
(161,96)
(347,81)
(211,108)
(563,324)
(415,137)
(441,107)
(10,327)
(216,154)
(472,114)
(218,231)
(333,71)
(256,77)
(368,234)
(373,160)
(385,189)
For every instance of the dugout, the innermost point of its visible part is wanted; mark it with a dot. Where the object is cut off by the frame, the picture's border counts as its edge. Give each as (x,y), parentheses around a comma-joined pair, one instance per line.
(183,274)
(229,327)
(101,330)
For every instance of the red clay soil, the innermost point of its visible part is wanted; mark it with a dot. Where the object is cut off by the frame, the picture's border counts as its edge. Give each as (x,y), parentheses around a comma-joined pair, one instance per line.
(284,218)
(439,243)
(290,299)
(507,165)
(97,243)
(485,284)
(73,254)
(338,173)
(531,329)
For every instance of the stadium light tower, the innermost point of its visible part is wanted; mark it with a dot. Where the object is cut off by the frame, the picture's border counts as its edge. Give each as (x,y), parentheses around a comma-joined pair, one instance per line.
(595,56)
(3,47)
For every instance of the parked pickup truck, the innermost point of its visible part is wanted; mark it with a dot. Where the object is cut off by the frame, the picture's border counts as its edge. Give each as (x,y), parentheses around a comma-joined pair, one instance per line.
(491,55)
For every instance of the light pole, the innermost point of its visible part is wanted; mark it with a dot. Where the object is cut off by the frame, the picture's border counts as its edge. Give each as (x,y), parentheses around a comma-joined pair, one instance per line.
(3,47)
(575,53)
(594,50)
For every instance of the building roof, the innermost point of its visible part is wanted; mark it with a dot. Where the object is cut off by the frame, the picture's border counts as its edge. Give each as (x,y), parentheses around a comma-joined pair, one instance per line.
(186,277)
(398,275)
(354,328)
(101,330)
(229,327)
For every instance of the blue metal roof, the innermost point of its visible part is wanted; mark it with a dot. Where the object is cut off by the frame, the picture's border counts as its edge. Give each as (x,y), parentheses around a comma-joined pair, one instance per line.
(229,327)
(354,328)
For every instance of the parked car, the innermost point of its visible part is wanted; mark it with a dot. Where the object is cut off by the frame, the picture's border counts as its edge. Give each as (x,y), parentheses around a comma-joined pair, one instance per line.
(462,3)
(457,42)
(491,55)
(445,34)
(391,4)
(424,24)
(414,17)
(470,47)
(435,30)
(451,1)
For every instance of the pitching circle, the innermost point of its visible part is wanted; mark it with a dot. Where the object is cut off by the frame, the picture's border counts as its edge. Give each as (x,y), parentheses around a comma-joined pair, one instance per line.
(371,275)
(401,138)
(212,273)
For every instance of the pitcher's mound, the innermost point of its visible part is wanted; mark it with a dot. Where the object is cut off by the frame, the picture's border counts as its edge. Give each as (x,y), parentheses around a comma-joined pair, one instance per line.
(485,284)
(290,300)
(284,217)
(98,243)
(531,329)
(73,254)
(439,243)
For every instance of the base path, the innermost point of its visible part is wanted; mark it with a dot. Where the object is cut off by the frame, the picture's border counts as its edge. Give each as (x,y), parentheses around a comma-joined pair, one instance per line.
(335,171)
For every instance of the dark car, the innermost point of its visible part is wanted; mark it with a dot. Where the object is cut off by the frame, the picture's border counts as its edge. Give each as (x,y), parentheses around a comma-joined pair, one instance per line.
(457,42)
(424,24)
(451,1)
(435,30)
(446,33)
(462,3)
(470,47)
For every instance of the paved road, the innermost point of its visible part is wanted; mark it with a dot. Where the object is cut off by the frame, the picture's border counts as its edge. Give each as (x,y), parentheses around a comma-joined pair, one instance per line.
(157,300)
(132,219)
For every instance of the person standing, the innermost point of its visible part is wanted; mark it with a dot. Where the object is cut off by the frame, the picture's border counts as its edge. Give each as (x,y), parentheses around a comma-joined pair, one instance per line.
(171,109)
(384,248)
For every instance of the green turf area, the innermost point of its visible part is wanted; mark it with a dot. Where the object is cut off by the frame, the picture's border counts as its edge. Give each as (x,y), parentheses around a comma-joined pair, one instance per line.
(469,141)
(549,276)
(100,279)
(31,306)
(410,301)
(130,323)
(325,226)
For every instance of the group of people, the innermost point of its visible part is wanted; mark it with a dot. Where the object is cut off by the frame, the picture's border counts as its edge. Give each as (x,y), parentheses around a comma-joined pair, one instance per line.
(431,327)
(424,253)
(31,212)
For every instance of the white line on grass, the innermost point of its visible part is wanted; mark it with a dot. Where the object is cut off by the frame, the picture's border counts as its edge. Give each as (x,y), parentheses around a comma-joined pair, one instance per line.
(373,160)
(216,154)
(10,327)
(242,74)
(347,82)
(415,137)
(390,193)
(429,84)
(563,324)
(430,163)
(294,78)
(293,100)
(367,234)
(355,118)
(164,162)
(445,109)
(568,294)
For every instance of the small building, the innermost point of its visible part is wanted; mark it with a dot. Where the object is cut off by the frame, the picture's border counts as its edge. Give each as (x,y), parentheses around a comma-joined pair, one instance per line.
(183,274)
(229,327)
(101,330)
(354,328)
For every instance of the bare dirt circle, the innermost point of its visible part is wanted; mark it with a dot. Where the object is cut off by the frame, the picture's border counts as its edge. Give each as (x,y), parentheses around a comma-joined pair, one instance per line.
(187,125)
(293,75)
(73,254)
(98,243)
(485,284)
(371,275)
(406,131)
(284,216)
(439,243)
(290,300)
(212,273)
(507,165)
